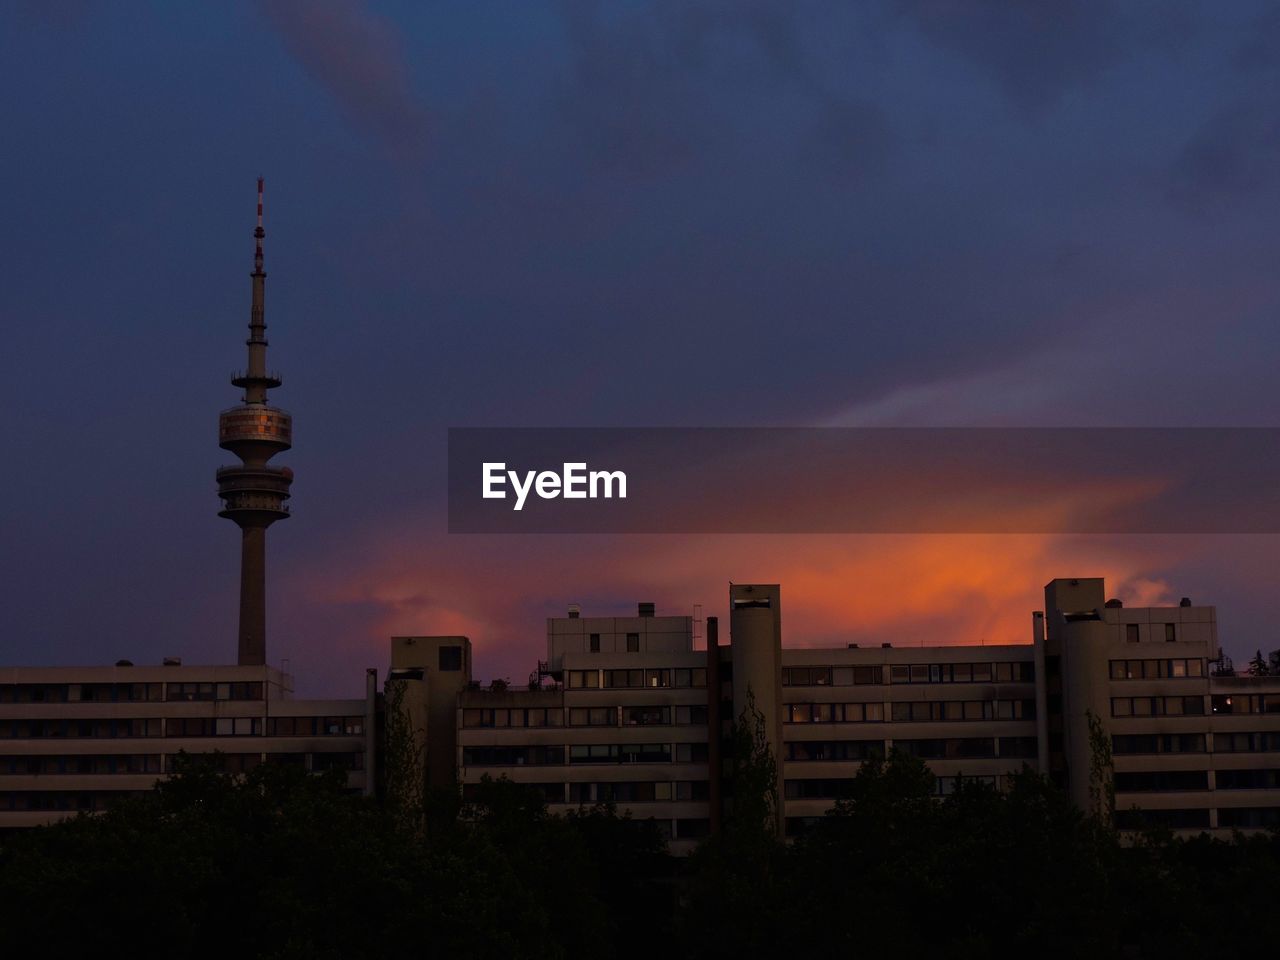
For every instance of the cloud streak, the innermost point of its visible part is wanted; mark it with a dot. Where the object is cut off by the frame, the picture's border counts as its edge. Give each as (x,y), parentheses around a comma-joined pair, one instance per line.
(359,59)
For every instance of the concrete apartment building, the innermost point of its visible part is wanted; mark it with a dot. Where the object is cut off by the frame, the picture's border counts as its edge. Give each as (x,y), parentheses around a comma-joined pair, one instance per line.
(79,738)
(628,707)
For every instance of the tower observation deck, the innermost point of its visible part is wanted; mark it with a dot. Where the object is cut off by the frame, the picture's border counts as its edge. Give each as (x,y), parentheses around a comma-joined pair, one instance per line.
(253,492)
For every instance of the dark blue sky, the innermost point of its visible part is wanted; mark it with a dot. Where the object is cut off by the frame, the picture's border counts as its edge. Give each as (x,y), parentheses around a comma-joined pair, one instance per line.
(672,213)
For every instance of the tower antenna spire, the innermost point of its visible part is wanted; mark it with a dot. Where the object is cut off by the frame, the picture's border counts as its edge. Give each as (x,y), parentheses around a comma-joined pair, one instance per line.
(258,234)
(254,493)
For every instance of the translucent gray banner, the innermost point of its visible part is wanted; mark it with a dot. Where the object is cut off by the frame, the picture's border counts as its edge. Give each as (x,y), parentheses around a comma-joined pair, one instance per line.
(864,480)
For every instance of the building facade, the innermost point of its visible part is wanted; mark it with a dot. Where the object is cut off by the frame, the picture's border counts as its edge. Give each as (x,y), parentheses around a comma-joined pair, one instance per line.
(78,738)
(628,711)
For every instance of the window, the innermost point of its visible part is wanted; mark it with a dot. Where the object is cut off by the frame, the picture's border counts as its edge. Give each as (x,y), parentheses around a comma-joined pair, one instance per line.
(595,643)
(1161,781)
(1247,818)
(1156,669)
(691,678)
(624,678)
(646,716)
(692,714)
(1157,706)
(451,658)
(509,756)
(190,691)
(1024,748)
(820,751)
(963,748)
(806,677)
(1138,743)
(584,679)
(1170,633)
(633,643)
(691,753)
(1131,632)
(1246,742)
(1267,779)
(593,717)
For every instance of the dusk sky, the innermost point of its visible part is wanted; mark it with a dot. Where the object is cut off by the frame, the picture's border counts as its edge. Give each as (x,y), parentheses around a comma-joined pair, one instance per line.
(731,213)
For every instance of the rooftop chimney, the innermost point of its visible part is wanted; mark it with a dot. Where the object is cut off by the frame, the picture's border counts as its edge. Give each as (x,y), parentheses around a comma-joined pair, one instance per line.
(1185,602)
(646,609)
(1114,604)
(575,611)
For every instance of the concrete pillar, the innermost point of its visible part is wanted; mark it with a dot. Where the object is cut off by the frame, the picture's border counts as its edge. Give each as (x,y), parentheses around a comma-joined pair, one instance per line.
(252,648)
(755,627)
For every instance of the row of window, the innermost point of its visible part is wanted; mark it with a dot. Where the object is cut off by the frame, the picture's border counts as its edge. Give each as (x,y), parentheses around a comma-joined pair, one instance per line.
(1239,703)
(131,727)
(1247,779)
(1156,669)
(1157,706)
(513,717)
(554,755)
(42,801)
(835,789)
(1249,818)
(680,791)
(804,751)
(833,712)
(128,692)
(1156,781)
(620,753)
(1176,819)
(275,726)
(1139,743)
(1161,781)
(912,711)
(661,716)
(591,793)
(831,676)
(655,679)
(828,751)
(91,801)
(1123,744)
(157,763)
(836,676)
(1019,748)
(504,756)
(628,716)
(1229,818)
(1259,742)
(1020,671)
(105,764)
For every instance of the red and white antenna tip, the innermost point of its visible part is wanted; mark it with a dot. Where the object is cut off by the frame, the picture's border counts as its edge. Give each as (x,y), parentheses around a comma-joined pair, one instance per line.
(260,201)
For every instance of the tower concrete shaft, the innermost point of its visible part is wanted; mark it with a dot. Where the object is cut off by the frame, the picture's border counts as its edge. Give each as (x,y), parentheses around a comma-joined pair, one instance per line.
(254,493)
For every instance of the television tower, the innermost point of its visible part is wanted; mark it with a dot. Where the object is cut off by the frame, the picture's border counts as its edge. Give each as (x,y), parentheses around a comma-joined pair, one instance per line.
(254,494)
